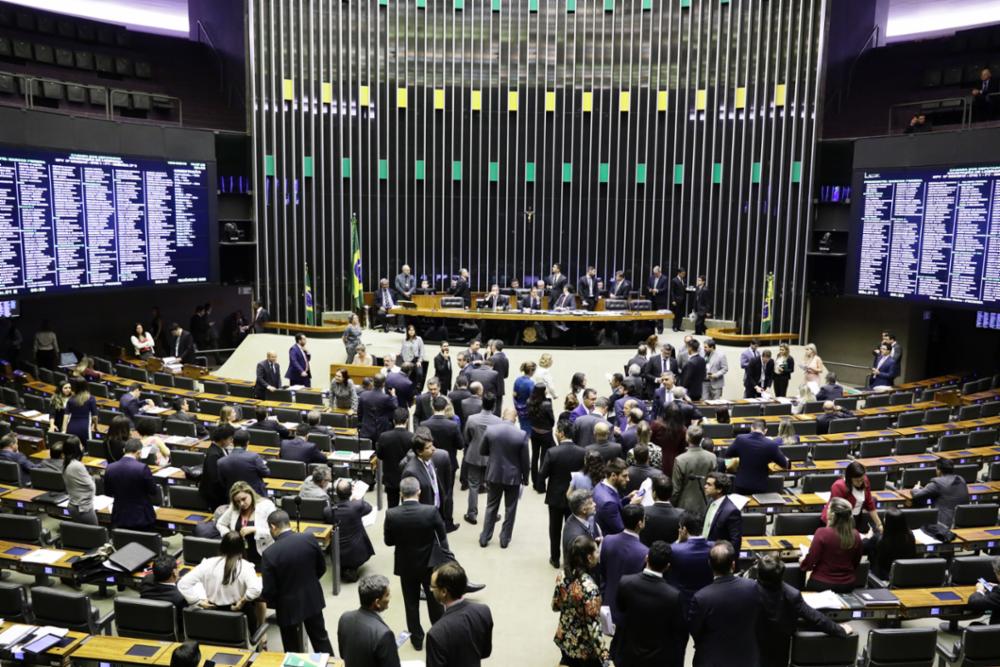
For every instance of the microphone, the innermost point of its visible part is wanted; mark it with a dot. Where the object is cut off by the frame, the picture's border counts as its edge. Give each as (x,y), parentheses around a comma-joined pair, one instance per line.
(298,514)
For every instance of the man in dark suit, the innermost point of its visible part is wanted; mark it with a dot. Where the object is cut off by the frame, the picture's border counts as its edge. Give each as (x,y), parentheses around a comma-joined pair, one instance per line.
(689,567)
(485,374)
(608,497)
(988,600)
(756,452)
(161,584)
(460,287)
(375,409)
(651,628)
(260,317)
(581,520)
(501,366)
(424,403)
(558,464)
(391,448)
(494,301)
(586,287)
(442,367)
(663,520)
(658,289)
(783,611)
(460,392)
(210,484)
(640,471)
(401,384)
(385,301)
(472,405)
(241,465)
(620,287)
(130,482)
(603,444)
(946,490)
(702,305)
(983,106)
(268,376)
(9,452)
(583,427)
(182,414)
(554,283)
(830,412)
(621,554)
(658,364)
(723,615)
(263,422)
(831,390)
(464,633)
(447,435)
(564,301)
(131,405)
(299,371)
(363,637)
(474,460)
(758,374)
(694,372)
(180,344)
(414,528)
(533,301)
(301,449)
(291,569)
(507,470)
(678,297)
(421,466)
(722,520)
(355,547)
(312,419)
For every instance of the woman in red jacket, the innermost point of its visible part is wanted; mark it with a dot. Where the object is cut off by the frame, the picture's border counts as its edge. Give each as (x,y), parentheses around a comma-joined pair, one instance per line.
(835,551)
(855,488)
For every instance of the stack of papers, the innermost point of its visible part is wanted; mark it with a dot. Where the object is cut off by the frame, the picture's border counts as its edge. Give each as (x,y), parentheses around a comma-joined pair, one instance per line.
(770,499)
(15,633)
(305,659)
(366,454)
(824,600)
(877,597)
(369,519)
(739,500)
(180,440)
(166,471)
(923,538)
(31,414)
(43,556)
(103,503)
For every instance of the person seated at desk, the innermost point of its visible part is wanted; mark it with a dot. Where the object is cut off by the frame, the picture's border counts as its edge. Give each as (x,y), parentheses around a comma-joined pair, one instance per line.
(9,452)
(152,444)
(533,301)
(385,301)
(131,405)
(317,487)
(425,287)
(355,546)
(884,370)
(187,654)
(831,390)
(161,584)
(755,452)
(783,611)
(263,422)
(300,448)
(835,551)
(494,300)
(247,517)
(855,488)
(182,413)
(226,582)
(988,600)
(142,343)
(831,411)
(894,542)
(946,490)
(566,300)
(55,460)
(362,358)
(312,420)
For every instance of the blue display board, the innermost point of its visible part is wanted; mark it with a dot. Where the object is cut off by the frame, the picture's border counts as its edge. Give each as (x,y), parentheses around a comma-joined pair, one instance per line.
(929,235)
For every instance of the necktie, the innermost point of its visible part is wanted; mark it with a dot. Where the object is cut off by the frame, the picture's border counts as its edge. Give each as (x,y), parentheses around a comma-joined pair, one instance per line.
(434,483)
(177,346)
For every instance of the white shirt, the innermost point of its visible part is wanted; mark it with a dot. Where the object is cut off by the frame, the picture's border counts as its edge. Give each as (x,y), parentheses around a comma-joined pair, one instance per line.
(140,344)
(205,583)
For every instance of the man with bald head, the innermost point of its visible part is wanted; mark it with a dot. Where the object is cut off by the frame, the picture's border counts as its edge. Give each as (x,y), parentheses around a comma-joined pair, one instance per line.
(405,283)
(508,467)
(268,376)
(603,444)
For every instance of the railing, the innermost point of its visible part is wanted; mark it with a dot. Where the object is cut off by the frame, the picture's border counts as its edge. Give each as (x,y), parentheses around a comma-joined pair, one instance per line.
(852,374)
(954,104)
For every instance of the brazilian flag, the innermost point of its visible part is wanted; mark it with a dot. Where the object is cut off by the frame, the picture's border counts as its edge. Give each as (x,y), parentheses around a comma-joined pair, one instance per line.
(310,311)
(357,295)
(765,315)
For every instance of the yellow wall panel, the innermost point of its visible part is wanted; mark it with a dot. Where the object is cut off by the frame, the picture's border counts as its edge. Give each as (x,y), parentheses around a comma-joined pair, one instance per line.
(661,100)
(477,100)
(401,98)
(780,92)
(588,101)
(741,98)
(364,96)
(439,98)
(512,100)
(288,89)
(624,100)
(701,99)
(550,101)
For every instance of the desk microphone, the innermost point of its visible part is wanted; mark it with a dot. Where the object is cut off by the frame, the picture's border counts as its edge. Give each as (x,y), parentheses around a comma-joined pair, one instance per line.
(298,514)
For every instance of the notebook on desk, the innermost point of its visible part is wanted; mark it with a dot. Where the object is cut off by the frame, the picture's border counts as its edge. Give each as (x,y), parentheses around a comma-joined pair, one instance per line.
(877,597)
(770,499)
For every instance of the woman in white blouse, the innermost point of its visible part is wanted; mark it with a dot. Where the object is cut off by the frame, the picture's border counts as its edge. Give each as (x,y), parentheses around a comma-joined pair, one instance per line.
(142,342)
(543,376)
(227,582)
(813,365)
(247,515)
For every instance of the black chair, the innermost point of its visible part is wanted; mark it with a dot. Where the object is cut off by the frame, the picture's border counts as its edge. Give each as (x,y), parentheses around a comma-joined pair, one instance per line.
(820,482)
(875,448)
(900,647)
(182,428)
(221,628)
(97,448)
(878,480)
(918,573)
(281,469)
(967,570)
(152,541)
(26,529)
(10,473)
(146,619)
(773,409)
(322,441)
(339,420)
(14,602)
(909,419)
(919,516)
(38,403)
(215,387)
(848,404)
(991,409)
(983,437)
(68,609)
(979,647)
(976,516)
(937,416)
(969,412)
(47,480)
(877,401)
(901,398)
(105,416)
(98,389)
(210,407)
(241,390)
(309,397)
(197,549)
(812,407)
(182,382)
(746,410)
(52,437)
(288,415)
(280,395)
(312,509)
(876,423)
(953,441)
(796,452)
(968,471)
(754,525)
(915,445)
(911,476)
(816,649)
(183,457)
(30,431)
(163,379)
(717,431)
(993,474)
(793,576)
(831,452)
(803,523)
(187,498)
(265,438)
(81,536)
(844,425)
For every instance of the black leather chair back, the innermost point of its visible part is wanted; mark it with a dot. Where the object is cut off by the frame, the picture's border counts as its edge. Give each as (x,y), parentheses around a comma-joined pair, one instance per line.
(334,419)
(180,427)
(878,480)
(816,649)
(210,407)
(215,387)
(322,441)
(241,390)
(917,517)
(281,469)
(906,647)
(146,619)
(754,525)
(983,437)
(831,452)
(901,398)
(968,471)
(805,428)
(309,397)
(197,549)
(14,602)
(877,401)
(918,572)
(223,628)
(311,508)
(280,395)
(976,515)
(967,570)
(746,410)
(908,446)
(875,423)
(875,448)
(10,473)
(953,441)
(981,646)
(152,541)
(803,523)
(909,419)
(820,482)
(288,415)
(796,452)
(17,528)
(182,382)
(937,415)
(187,498)
(82,536)
(911,476)
(969,412)
(716,431)
(771,409)
(65,609)
(47,480)
(812,407)
(844,425)
(263,437)
(181,457)
(163,379)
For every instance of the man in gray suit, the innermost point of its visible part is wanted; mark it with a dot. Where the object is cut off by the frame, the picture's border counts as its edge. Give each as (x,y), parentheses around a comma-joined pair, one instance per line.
(405,283)
(947,491)
(716,368)
(581,520)
(508,467)
(689,473)
(473,404)
(483,373)
(364,638)
(583,427)
(474,460)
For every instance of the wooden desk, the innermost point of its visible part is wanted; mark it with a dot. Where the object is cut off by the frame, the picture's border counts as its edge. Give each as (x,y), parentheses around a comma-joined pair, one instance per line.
(930,382)
(728,335)
(317,330)
(770,419)
(759,544)
(57,655)
(102,648)
(12,557)
(928,429)
(923,602)
(896,409)
(856,436)
(276,659)
(535,316)
(988,395)
(986,537)
(356,371)
(972,455)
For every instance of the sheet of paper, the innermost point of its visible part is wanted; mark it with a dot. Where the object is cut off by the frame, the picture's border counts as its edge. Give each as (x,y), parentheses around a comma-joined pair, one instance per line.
(30,414)
(412,663)
(402,638)
(803,550)
(739,500)
(44,556)
(824,600)
(52,630)
(103,503)
(647,487)
(607,625)
(166,472)
(825,495)
(923,538)
(154,410)
(15,633)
